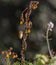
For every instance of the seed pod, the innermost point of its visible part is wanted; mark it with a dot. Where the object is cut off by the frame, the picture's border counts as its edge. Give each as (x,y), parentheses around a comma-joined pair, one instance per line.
(7,56)
(9,53)
(28,30)
(21,22)
(34,7)
(20,34)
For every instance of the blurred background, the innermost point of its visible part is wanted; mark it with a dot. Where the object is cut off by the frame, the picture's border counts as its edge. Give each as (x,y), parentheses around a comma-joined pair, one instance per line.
(10,11)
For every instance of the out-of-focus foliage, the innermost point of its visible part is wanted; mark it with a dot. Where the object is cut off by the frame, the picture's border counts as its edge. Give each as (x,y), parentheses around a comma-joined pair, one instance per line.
(39,59)
(16,63)
(53,61)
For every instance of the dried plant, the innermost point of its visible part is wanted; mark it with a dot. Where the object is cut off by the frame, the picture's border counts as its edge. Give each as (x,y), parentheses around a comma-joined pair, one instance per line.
(28,24)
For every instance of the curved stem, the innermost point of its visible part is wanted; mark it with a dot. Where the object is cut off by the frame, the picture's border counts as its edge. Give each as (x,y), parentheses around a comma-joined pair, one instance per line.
(48,43)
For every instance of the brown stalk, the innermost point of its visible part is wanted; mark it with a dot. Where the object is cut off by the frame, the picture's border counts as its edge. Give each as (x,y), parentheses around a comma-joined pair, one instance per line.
(28,24)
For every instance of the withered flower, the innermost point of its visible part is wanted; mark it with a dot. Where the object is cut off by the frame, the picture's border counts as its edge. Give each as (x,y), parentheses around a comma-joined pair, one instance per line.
(50,26)
(20,34)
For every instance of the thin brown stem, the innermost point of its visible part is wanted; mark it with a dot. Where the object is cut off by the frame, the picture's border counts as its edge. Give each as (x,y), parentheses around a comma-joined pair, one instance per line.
(25,18)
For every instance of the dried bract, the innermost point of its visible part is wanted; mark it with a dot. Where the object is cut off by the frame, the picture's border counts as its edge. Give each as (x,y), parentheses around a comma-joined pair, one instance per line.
(50,26)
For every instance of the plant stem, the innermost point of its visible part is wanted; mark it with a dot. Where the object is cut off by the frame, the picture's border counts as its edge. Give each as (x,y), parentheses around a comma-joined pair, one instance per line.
(8,61)
(48,43)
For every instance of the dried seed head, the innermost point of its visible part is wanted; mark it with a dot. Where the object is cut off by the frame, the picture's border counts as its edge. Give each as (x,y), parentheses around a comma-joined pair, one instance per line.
(29,31)
(34,7)
(50,25)
(15,56)
(21,22)
(10,48)
(9,53)
(35,4)
(2,52)
(7,56)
